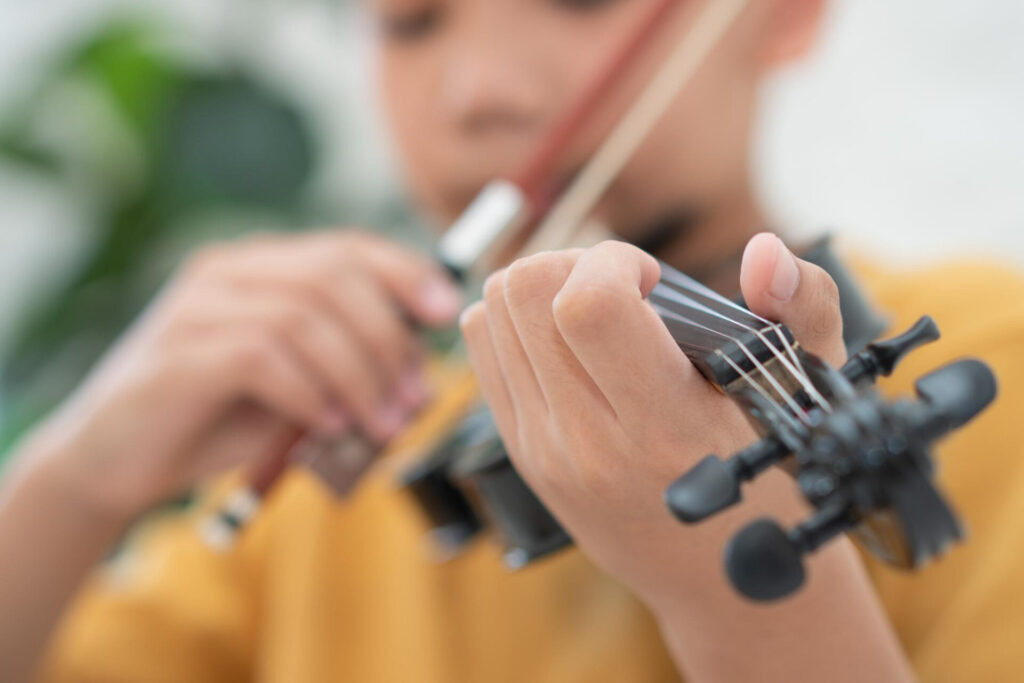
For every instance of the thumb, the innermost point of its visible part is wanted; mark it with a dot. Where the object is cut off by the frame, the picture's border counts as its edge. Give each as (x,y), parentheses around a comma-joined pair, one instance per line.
(778,286)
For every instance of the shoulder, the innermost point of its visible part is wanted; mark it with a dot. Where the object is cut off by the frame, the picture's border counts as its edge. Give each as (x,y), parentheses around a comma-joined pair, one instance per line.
(978,305)
(979,308)
(958,292)
(952,615)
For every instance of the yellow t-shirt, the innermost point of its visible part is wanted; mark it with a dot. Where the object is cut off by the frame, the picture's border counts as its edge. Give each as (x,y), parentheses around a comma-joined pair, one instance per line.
(322,591)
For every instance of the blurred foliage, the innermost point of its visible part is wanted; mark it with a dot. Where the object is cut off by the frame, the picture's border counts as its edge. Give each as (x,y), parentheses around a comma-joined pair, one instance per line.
(194,140)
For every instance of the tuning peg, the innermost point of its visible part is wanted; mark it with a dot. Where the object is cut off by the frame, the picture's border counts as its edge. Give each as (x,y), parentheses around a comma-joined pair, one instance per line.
(713,484)
(710,486)
(881,358)
(955,394)
(764,562)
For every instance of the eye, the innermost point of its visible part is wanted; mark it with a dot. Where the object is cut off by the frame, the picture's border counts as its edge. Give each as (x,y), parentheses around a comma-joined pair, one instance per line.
(412,25)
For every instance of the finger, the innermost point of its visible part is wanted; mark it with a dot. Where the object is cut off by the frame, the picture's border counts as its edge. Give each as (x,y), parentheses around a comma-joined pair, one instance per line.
(778,286)
(336,356)
(325,347)
(247,434)
(531,285)
(384,335)
(358,306)
(515,365)
(250,364)
(419,284)
(476,332)
(619,339)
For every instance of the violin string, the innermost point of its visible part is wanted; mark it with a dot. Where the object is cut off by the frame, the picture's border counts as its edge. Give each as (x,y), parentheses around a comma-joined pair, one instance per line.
(790,401)
(795,367)
(683,281)
(618,148)
(760,390)
(677,279)
(796,409)
(796,371)
(682,299)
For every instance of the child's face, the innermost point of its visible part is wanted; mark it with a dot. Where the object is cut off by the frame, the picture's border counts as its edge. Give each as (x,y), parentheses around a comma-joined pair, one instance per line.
(470,85)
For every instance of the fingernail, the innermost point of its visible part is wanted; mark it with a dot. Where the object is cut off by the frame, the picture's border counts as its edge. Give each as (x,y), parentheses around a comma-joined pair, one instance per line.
(441,299)
(335,421)
(786,277)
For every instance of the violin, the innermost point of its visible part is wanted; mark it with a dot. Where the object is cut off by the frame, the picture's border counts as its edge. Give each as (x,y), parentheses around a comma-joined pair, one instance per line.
(861,461)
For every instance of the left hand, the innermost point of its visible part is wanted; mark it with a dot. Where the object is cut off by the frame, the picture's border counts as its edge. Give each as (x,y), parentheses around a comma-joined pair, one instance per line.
(600,410)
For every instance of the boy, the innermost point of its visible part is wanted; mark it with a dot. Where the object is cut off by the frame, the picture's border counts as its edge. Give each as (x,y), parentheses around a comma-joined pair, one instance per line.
(320,592)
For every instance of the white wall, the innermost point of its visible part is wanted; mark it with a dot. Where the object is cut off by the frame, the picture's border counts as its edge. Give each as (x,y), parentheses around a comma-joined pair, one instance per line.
(906,131)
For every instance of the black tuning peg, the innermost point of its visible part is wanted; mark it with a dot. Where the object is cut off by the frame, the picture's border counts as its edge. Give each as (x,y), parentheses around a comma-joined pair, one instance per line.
(953,395)
(881,358)
(713,484)
(710,486)
(765,563)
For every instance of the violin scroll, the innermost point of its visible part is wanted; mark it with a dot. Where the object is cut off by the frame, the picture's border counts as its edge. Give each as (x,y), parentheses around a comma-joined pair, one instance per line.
(864,464)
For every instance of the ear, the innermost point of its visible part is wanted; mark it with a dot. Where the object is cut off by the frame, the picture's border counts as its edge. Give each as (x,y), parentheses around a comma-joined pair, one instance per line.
(792,30)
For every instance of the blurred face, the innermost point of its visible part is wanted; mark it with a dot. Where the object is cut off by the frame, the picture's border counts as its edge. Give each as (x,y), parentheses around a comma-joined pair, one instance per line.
(469,86)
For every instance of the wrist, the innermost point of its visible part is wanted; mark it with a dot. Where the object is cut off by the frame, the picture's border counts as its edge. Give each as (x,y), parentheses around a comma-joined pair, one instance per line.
(62,470)
(837,618)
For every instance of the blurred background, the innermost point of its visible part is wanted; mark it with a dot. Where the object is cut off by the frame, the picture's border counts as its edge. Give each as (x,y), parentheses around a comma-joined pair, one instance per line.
(132,130)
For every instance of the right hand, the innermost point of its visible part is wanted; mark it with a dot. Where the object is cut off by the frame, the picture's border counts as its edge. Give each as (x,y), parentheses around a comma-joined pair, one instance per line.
(249,342)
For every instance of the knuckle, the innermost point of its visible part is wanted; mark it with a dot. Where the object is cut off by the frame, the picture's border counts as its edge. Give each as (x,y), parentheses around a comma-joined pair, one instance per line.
(317,286)
(392,354)
(582,308)
(347,377)
(494,286)
(292,321)
(357,381)
(828,290)
(616,251)
(252,357)
(385,338)
(531,277)
(825,316)
(473,319)
(820,324)
(596,480)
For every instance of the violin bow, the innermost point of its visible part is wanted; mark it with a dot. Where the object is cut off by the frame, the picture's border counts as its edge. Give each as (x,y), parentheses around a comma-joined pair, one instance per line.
(506,211)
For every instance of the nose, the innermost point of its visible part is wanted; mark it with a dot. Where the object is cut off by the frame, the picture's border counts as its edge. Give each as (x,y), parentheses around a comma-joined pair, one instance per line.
(492,86)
